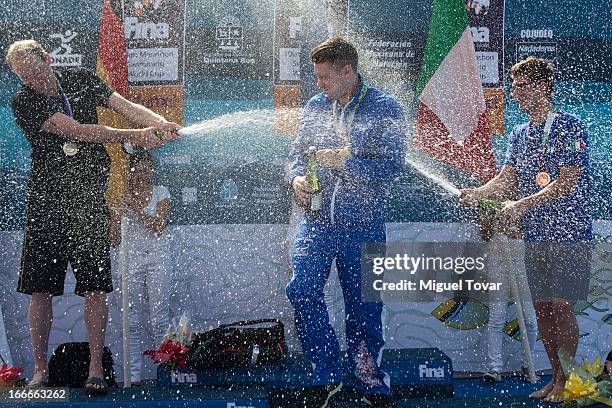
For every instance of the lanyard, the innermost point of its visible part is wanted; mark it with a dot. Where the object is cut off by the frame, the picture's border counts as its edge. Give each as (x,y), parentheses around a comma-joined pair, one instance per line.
(345,133)
(550,119)
(67,109)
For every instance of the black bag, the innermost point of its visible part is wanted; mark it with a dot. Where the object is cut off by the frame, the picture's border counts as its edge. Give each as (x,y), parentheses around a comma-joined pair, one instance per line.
(239,344)
(69,366)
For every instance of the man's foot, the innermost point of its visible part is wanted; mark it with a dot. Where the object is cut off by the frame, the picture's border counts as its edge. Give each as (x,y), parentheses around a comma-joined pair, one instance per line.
(554,395)
(96,386)
(320,395)
(366,370)
(492,377)
(542,392)
(378,401)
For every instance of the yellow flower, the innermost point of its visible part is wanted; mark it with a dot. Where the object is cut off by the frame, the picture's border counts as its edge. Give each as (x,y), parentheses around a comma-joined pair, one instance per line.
(576,388)
(595,368)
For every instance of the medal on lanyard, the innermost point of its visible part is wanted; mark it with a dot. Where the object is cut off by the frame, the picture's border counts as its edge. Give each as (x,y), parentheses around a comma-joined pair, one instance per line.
(343,127)
(542,179)
(69,148)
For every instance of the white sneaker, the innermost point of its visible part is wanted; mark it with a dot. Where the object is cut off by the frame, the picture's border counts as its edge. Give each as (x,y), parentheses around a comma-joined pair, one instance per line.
(525,374)
(492,377)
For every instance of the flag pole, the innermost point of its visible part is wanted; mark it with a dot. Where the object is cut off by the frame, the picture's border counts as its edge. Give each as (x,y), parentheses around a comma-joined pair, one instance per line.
(508,257)
(125,298)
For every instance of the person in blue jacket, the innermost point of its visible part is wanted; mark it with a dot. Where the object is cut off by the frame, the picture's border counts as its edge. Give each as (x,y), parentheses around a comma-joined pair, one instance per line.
(547,166)
(359,136)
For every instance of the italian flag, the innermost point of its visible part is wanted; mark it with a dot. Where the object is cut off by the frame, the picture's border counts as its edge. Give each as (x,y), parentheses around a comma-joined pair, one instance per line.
(451,123)
(112,68)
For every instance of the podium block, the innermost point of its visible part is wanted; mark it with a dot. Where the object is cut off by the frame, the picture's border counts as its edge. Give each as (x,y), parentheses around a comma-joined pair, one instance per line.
(415,373)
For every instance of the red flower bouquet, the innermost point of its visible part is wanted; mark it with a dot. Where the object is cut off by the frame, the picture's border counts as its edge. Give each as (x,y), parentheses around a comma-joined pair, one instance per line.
(171,354)
(9,375)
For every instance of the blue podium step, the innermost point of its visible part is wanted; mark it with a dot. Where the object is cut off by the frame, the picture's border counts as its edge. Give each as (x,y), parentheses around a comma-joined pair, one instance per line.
(414,373)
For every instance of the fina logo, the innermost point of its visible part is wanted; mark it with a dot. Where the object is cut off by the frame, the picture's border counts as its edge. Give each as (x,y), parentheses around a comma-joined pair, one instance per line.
(135,30)
(229,191)
(430,372)
(182,378)
(233,405)
(62,56)
(480,34)
(229,34)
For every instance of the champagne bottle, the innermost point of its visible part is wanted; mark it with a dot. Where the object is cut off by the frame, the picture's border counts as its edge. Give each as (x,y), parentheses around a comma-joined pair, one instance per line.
(313,178)
(129,148)
(490,206)
(489,209)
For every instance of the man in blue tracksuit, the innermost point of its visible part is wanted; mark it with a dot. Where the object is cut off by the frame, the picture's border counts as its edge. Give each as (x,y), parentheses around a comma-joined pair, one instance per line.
(358,132)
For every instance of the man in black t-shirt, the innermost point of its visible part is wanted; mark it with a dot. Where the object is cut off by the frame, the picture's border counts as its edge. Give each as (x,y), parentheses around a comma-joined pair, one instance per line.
(67,220)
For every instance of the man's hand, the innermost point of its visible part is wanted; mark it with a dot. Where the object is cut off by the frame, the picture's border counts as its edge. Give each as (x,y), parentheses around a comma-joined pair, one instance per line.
(149,140)
(510,216)
(167,131)
(330,158)
(469,197)
(302,191)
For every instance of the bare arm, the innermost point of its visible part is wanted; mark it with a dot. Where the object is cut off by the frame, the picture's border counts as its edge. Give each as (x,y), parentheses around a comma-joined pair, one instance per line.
(140,115)
(564,185)
(502,187)
(64,125)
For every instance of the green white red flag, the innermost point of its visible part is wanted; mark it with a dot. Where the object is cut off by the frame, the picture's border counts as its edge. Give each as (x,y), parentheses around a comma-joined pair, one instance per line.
(112,68)
(451,123)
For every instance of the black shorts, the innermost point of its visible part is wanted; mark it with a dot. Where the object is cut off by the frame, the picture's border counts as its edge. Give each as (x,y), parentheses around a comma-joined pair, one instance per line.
(558,270)
(48,247)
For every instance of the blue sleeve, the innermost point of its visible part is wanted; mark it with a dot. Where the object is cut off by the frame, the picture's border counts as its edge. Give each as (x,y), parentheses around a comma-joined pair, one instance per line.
(390,153)
(573,144)
(510,149)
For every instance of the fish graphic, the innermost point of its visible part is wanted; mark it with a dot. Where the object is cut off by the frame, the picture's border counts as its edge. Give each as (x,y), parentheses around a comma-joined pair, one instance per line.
(597,290)
(462,313)
(581,305)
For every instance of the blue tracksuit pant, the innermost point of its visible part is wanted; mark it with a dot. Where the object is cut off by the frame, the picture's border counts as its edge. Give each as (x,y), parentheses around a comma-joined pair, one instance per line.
(315,247)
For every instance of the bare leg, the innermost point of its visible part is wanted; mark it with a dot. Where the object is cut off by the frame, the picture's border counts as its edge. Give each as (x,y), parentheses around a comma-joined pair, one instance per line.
(40,317)
(546,326)
(566,340)
(96,314)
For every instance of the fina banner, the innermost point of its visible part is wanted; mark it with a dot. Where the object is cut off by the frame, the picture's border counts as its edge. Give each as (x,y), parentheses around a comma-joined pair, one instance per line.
(288,53)
(391,48)
(538,42)
(390,45)
(155,43)
(486,19)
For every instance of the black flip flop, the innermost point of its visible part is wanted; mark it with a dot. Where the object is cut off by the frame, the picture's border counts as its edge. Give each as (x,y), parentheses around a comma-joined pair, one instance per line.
(96,386)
